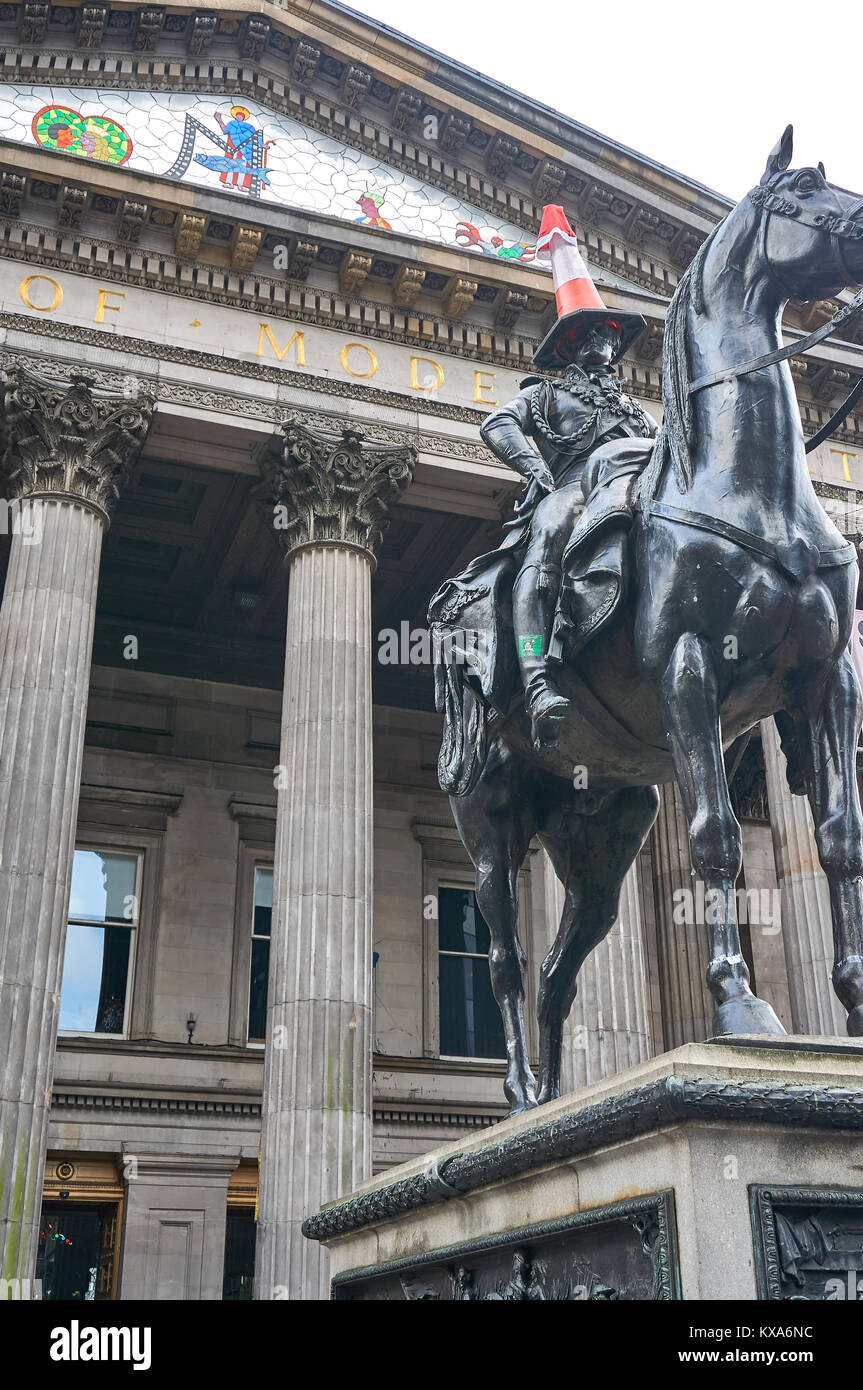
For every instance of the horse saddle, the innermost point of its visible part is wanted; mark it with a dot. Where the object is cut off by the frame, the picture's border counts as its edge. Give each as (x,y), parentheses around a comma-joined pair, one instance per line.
(595,561)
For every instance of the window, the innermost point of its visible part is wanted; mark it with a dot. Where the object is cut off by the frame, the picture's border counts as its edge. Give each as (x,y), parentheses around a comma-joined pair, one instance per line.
(239,1274)
(461,1020)
(470,1022)
(259,968)
(100,942)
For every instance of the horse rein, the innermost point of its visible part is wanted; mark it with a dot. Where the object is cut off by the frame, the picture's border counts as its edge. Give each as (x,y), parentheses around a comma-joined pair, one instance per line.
(840,227)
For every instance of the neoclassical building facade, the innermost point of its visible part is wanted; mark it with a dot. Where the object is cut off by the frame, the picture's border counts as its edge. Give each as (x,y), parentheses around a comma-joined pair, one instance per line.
(263,272)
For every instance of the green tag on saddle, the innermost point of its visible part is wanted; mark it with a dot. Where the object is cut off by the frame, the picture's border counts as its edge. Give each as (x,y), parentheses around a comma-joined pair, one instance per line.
(530,646)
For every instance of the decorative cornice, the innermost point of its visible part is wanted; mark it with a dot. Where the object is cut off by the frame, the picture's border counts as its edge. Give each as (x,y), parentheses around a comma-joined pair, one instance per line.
(67,441)
(263,294)
(408,1115)
(673,1100)
(253,407)
(329,489)
(163,1104)
(125,806)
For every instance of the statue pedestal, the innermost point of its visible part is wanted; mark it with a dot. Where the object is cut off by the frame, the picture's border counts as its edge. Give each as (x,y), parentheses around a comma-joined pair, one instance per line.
(721,1170)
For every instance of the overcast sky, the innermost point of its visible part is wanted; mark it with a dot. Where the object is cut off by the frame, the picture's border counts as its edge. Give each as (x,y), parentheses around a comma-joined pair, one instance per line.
(705,87)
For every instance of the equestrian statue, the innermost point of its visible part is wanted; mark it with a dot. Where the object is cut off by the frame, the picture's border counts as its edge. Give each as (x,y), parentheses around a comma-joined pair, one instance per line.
(657,593)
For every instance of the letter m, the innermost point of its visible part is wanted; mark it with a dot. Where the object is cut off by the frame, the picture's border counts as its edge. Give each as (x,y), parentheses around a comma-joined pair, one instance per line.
(266,336)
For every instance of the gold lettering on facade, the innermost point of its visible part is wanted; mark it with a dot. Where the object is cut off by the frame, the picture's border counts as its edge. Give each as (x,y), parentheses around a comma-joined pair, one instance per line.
(373,361)
(24,291)
(416,385)
(479,386)
(845,456)
(102,304)
(266,336)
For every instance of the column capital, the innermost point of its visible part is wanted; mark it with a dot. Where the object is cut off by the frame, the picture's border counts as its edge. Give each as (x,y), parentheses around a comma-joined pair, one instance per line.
(333,489)
(68,441)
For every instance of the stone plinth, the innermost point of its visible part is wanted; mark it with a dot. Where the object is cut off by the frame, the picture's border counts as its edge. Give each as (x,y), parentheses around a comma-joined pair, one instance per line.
(717,1171)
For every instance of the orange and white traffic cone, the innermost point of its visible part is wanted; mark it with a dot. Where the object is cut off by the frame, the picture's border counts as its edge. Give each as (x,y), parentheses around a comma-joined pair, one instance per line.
(579,305)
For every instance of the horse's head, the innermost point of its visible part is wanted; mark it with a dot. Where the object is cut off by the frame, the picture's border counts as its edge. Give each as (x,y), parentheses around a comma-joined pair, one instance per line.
(810,233)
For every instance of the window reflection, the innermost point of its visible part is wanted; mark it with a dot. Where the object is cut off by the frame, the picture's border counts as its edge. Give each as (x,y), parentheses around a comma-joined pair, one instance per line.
(470,1022)
(259,970)
(103,913)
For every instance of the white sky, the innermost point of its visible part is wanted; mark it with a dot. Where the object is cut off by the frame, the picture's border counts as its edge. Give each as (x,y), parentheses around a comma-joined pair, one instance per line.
(705,87)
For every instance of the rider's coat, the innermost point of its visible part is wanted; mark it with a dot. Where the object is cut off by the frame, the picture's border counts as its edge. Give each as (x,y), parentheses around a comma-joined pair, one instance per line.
(568,419)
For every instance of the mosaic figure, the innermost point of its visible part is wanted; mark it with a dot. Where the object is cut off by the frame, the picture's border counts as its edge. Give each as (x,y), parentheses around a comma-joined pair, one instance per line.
(371,205)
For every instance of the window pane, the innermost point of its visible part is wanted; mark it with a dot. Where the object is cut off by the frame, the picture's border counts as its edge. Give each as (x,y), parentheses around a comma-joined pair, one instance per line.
(95,971)
(103,886)
(461,924)
(258,988)
(263,909)
(470,1022)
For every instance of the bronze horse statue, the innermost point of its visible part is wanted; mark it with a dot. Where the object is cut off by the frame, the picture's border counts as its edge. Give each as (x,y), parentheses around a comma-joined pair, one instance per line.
(739,607)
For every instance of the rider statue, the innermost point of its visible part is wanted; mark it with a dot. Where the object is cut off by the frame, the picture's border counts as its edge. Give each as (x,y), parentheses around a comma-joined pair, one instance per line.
(567,419)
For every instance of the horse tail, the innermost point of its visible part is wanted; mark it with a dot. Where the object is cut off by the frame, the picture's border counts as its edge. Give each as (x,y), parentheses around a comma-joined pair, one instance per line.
(464,746)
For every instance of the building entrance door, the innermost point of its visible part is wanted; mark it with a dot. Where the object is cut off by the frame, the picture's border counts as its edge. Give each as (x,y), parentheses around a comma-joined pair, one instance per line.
(76,1251)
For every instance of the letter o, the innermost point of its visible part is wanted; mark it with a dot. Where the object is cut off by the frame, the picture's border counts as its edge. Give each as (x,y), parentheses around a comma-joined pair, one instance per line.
(373,361)
(24,291)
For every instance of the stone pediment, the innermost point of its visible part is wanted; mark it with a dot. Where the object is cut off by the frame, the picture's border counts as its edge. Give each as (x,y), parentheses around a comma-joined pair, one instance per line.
(240,147)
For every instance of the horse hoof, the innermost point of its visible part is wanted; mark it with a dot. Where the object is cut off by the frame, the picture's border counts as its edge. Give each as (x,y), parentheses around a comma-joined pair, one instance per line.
(522,1108)
(547,1093)
(521,1104)
(745,1014)
(855,1022)
(848,985)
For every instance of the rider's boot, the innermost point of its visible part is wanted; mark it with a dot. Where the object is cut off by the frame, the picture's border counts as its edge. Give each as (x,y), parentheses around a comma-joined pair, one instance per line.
(533,615)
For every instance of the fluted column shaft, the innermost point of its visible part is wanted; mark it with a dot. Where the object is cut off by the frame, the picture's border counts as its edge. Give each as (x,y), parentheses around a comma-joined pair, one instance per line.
(318,1069)
(683,946)
(608,1027)
(807,929)
(66,472)
(316,1140)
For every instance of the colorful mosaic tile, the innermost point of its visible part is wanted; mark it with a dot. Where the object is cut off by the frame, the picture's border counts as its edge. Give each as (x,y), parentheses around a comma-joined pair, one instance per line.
(247,150)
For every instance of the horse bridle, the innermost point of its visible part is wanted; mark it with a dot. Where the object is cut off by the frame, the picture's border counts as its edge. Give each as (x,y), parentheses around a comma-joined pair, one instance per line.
(840,227)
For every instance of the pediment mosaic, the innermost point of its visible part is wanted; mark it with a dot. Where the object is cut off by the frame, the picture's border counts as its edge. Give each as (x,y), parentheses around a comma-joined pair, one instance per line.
(245,149)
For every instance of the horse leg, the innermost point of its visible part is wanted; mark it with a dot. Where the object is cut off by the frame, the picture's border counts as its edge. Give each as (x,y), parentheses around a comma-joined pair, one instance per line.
(690,707)
(834,727)
(495,821)
(592,865)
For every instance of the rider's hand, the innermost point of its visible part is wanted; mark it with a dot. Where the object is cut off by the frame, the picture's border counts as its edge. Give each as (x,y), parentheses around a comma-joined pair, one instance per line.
(544,477)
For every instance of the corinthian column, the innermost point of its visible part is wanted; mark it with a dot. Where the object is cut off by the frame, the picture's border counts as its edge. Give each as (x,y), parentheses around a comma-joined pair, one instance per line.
(330,495)
(69,449)
(807,928)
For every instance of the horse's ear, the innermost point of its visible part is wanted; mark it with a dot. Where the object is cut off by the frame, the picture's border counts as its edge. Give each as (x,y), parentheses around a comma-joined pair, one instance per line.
(780,156)
(822,171)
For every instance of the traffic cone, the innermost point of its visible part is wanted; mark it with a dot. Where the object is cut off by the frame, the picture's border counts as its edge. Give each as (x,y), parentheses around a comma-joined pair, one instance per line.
(579,306)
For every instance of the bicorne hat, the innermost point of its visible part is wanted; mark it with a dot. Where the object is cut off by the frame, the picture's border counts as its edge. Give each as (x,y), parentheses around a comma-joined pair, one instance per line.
(579,307)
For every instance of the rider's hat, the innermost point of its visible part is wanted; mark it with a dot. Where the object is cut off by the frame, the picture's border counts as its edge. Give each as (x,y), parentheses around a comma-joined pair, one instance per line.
(579,307)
